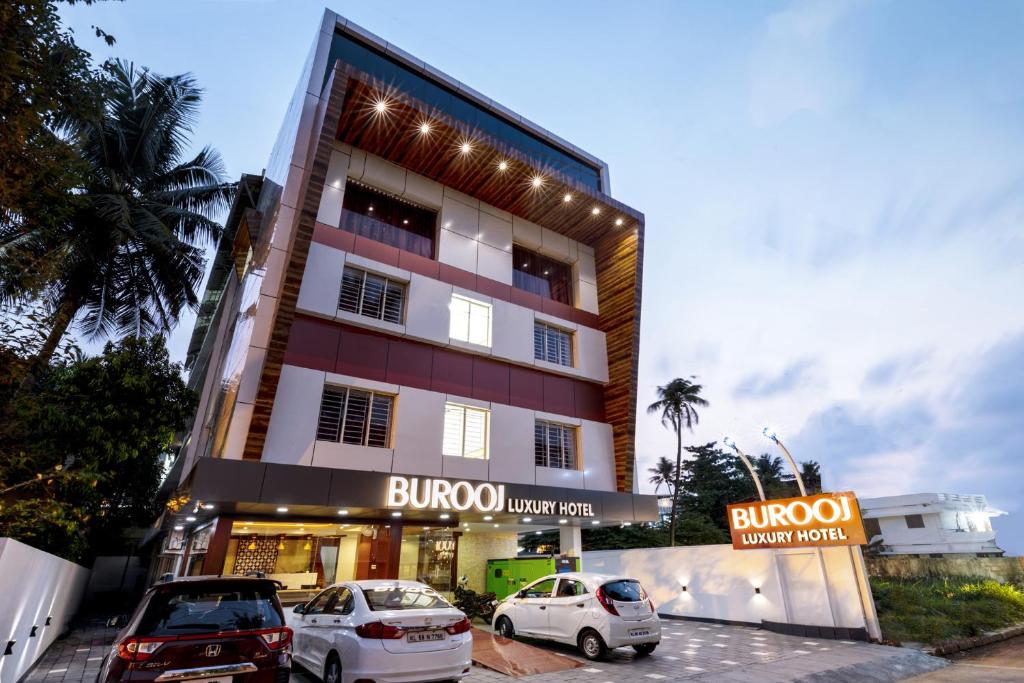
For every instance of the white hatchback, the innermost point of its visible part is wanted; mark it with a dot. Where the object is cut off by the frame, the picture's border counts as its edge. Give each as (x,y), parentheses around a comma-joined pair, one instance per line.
(382,631)
(595,612)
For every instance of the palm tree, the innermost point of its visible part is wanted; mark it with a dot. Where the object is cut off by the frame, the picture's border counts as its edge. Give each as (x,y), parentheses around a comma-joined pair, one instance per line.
(677,403)
(810,471)
(772,474)
(128,257)
(663,472)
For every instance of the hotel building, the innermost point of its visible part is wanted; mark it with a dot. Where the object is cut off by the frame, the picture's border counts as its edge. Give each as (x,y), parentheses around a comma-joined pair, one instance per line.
(419,339)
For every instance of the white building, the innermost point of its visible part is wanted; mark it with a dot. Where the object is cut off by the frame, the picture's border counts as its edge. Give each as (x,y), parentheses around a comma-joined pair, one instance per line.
(931,524)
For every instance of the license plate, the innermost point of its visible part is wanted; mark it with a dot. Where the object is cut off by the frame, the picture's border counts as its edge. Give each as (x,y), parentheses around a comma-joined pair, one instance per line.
(425,636)
(222,679)
(639,633)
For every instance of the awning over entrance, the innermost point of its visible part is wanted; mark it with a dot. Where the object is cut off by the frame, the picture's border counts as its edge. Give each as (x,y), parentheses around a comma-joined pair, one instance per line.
(258,488)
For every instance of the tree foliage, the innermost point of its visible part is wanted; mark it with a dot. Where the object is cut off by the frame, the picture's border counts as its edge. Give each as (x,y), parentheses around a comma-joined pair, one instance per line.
(81,453)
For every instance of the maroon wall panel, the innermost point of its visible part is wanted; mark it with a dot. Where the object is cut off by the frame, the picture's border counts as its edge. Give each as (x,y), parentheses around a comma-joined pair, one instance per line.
(457,276)
(409,363)
(493,288)
(333,237)
(452,373)
(362,354)
(558,395)
(589,399)
(490,380)
(526,388)
(378,251)
(313,343)
(418,264)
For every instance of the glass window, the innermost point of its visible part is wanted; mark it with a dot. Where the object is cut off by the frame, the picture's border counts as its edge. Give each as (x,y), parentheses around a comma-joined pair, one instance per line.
(626,590)
(541,275)
(541,590)
(385,218)
(914,521)
(552,344)
(355,416)
(570,588)
(872,528)
(465,431)
(211,606)
(403,597)
(554,445)
(370,295)
(322,603)
(470,320)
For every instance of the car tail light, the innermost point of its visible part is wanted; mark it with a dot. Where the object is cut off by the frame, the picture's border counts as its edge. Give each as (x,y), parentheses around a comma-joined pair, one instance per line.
(277,638)
(458,627)
(606,602)
(377,629)
(139,649)
(650,604)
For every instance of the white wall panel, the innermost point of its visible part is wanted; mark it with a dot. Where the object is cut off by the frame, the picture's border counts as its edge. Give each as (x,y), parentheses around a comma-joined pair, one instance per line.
(512,332)
(321,281)
(592,353)
(493,263)
(348,457)
(460,218)
(418,431)
(551,476)
(496,231)
(597,456)
(457,250)
(512,445)
(427,315)
(293,419)
(384,175)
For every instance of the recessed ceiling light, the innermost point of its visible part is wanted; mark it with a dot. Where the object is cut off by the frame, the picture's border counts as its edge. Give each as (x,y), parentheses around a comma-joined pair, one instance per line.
(405,221)
(445,515)
(502,165)
(496,526)
(563,521)
(380,106)
(488,518)
(619,221)
(282,509)
(179,527)
(371,208)
(208,506)
(567,198)
(466,524)
(342,512)
(596,521)
(596,210)
(538,532)
(465,147)
(190,519)
(424,128)
(537,181)
(527,520)
(426,528)
(396,514)
(627,524)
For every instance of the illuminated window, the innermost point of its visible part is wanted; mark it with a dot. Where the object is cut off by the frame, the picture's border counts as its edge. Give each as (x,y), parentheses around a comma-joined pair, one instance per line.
(371,295)
(554,445)
(470,320)
(354,416)
(541,275)
(552,344)
(465,431)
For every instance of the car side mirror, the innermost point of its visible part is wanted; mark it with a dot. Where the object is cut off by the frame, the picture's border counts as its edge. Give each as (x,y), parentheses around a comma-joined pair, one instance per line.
(300,608)
(118,621)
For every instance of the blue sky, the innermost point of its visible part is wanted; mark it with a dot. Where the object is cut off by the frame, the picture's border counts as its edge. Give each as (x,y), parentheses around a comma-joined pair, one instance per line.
(833,195)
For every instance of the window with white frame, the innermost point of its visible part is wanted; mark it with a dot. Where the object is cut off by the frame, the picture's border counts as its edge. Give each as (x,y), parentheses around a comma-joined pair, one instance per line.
(552,344)
(355,416)
(470,321)
(373,296)
(554,445)
(465,431)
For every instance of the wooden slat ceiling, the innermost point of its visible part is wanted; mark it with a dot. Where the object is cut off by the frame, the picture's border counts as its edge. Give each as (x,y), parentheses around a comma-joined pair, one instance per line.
(388,123)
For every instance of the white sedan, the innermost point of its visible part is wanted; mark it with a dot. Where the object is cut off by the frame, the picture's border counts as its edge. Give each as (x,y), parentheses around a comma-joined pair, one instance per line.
(382,631)
(594,612)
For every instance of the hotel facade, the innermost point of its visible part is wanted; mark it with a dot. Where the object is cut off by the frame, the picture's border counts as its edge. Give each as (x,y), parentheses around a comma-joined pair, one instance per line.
(419,339)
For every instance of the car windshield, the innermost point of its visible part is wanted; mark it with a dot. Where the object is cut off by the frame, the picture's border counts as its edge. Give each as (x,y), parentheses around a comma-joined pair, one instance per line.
(626,590)
(211,608)
(403,597)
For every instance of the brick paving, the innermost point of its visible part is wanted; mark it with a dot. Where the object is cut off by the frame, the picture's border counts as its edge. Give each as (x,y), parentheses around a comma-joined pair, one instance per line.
(689,651)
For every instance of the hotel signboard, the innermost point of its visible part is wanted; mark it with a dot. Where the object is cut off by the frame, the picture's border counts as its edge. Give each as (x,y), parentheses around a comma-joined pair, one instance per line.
(825,519)
(443,494)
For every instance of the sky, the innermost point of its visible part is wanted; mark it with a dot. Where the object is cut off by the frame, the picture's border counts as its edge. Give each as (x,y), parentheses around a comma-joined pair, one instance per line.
(833,198)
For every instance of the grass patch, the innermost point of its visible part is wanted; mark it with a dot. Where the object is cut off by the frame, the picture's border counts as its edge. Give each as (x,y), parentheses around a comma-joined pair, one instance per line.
(933,610)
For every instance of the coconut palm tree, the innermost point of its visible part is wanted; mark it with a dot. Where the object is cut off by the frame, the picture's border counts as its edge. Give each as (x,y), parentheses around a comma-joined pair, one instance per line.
(128,258)
(677,403)
(663,472)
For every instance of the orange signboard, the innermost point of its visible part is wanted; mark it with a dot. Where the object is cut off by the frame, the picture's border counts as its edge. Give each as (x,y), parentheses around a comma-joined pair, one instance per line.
(810,521)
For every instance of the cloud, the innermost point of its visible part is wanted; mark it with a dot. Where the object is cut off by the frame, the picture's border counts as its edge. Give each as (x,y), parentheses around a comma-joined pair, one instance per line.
(893,369)
(759,385)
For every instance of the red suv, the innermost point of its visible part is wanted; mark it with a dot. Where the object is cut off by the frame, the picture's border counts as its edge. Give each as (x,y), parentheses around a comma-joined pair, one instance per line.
(226,629)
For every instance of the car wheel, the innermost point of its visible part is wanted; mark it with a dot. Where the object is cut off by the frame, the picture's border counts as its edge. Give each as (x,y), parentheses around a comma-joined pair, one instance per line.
(504,627)
(332,670)
(592,645)
(644,649)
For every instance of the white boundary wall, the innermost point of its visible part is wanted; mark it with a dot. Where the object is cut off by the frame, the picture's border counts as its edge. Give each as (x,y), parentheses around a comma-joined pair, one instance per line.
(806,586)
(34,585)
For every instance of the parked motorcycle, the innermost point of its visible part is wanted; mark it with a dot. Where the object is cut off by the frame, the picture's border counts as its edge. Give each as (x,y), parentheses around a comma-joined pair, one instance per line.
(474,605)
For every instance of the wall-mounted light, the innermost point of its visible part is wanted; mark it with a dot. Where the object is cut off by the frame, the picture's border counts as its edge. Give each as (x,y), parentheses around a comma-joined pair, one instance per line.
(684,588)
(757,590)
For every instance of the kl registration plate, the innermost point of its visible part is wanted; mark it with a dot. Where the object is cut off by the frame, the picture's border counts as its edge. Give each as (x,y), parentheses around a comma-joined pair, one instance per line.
(425,636)
(639,633)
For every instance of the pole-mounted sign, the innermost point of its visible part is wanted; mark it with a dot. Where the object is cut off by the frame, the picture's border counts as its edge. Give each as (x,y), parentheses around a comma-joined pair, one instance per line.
(809,521)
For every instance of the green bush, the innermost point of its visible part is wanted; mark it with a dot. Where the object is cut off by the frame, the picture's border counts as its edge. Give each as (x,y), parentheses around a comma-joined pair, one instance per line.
(933,610)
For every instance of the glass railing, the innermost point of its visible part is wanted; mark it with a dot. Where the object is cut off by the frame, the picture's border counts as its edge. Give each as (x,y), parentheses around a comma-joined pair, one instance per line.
(379,231)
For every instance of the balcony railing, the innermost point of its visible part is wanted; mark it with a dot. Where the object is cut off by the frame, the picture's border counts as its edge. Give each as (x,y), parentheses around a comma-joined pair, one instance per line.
(379,231)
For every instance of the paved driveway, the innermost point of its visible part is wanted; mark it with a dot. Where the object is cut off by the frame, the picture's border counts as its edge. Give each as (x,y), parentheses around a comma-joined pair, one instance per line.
(997,663)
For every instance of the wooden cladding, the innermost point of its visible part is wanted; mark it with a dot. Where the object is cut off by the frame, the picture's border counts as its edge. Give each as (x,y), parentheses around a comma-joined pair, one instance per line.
(489,170)
(310,190)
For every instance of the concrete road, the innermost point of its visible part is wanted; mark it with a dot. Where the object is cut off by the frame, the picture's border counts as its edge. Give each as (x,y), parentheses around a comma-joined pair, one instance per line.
(996,663)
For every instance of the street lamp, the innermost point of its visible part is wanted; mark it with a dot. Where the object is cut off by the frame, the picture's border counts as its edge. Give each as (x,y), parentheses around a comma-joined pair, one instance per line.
(746,461)
(770,433)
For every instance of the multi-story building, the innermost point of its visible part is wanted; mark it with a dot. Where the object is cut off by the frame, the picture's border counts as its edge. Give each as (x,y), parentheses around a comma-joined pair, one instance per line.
(930,525)
(419,338)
